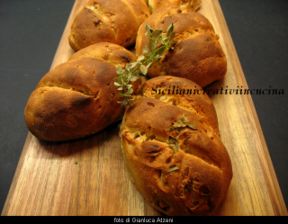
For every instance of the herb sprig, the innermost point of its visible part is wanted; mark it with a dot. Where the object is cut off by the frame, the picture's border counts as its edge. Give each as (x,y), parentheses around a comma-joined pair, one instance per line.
(159,44)
(173,144)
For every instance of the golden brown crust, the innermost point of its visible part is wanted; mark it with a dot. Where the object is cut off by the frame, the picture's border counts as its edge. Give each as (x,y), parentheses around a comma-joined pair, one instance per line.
(107,52)
(184,94)
(197,54)
(183,5)
(73,100)
(174,152)
(115,21)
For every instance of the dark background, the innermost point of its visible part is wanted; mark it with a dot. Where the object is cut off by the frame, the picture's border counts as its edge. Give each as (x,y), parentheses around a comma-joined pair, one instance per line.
(30,31)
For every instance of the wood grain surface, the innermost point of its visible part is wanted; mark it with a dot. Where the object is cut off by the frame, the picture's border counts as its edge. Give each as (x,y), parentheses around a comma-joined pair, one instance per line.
(88,177)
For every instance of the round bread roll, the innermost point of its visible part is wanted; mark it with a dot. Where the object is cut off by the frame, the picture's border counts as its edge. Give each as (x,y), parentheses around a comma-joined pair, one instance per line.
(183,5)
(173,150)
(197,54)
(78,98)
(115,21)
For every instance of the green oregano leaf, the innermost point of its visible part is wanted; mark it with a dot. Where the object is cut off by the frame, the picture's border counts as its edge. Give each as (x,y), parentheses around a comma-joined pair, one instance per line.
(173,144)
(181,124)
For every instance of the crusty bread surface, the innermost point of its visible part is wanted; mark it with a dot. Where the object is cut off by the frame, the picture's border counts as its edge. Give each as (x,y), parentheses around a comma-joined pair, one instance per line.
(183,5)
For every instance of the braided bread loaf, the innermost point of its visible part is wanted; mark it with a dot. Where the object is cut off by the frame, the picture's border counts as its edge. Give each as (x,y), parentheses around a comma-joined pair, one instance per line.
(174,151)
(197,54)
(78,98)
(115,21)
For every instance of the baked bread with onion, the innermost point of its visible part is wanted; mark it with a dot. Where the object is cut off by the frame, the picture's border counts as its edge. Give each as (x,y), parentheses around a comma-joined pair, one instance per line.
(115,21)
(78,98)
(197,54)
(173,150)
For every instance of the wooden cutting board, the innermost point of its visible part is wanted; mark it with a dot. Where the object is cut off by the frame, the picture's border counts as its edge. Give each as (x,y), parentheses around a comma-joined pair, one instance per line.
(88,177)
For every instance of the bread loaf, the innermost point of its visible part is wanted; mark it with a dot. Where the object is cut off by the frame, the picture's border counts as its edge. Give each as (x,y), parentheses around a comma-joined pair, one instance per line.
(197,54)
(173,150)
(115,21)
(78,98)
